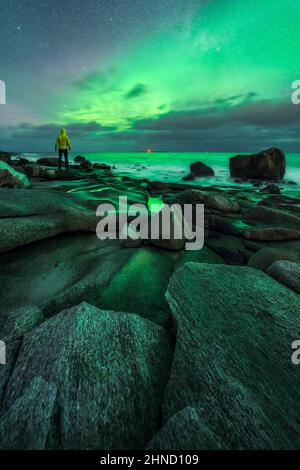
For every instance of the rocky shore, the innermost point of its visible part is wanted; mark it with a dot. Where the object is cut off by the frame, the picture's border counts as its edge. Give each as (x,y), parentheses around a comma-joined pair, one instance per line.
(115,345)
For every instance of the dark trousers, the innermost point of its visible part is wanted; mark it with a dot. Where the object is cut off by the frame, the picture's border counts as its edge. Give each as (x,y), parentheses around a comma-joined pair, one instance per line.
(65,153)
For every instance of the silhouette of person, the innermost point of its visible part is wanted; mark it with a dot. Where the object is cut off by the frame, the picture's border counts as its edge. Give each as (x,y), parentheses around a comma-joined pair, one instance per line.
(62,144)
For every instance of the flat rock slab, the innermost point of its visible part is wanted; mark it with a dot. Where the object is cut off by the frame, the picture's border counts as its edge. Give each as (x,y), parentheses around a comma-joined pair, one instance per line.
(28,216)
(58,272)
(140,285)
(110,370)
(232,363)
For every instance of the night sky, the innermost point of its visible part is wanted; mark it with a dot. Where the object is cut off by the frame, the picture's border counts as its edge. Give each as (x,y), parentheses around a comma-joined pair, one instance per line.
(125,75)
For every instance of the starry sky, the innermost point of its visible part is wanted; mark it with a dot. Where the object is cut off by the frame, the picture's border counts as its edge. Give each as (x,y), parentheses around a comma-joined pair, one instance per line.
(171,75)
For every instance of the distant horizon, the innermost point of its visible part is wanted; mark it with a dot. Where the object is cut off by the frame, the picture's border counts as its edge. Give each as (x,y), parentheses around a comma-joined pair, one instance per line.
(145,151)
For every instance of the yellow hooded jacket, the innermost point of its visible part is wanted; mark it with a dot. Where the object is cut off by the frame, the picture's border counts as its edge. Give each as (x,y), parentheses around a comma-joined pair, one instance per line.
(62,141)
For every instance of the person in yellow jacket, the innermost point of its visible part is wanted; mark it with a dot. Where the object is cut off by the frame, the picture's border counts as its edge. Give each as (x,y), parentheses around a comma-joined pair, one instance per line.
(62,144)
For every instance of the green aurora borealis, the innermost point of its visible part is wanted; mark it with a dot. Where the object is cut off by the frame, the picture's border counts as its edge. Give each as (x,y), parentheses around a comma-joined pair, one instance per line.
(217,76)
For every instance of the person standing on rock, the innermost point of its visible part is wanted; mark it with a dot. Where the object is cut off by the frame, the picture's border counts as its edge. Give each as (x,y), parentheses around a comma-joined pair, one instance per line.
(63,146)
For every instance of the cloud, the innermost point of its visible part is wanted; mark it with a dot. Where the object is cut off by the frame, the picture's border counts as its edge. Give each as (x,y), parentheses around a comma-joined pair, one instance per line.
(241,124)
(236,99)
(95,80)
(223,138)
(28,131)
(264,114)
(136,91)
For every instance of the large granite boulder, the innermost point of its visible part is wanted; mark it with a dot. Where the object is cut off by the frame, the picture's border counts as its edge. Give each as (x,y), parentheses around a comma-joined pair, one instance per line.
(27,423)
(270,189)
(269,164)
(205,255)
(109,372)
(286,272)
(184,431)
(199,169)
(11,178)
(234,332)
(12,348)
(21,321)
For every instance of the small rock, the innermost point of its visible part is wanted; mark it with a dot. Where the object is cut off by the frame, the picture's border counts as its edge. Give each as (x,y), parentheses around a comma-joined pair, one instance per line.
(47,161)
(190,177)
(271,234)
(214,201)
(21,161)
(5,157)
(101,166)
(10,178)
(83,162)
(221,203)
(200,169)
(189,196)
(40,172)
(271,189)
(266,257)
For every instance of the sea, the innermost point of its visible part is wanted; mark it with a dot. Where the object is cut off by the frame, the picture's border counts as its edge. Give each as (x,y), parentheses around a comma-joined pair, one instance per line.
(171,167)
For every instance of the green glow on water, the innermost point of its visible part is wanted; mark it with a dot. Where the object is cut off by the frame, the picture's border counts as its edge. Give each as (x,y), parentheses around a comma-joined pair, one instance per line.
(155,204)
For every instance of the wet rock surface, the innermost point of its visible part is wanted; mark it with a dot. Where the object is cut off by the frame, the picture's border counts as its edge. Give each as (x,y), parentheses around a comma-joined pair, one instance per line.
(228,318)
(286,272)
(200,169)
(109,371)
(268,164)
(11,178)
(143,344)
